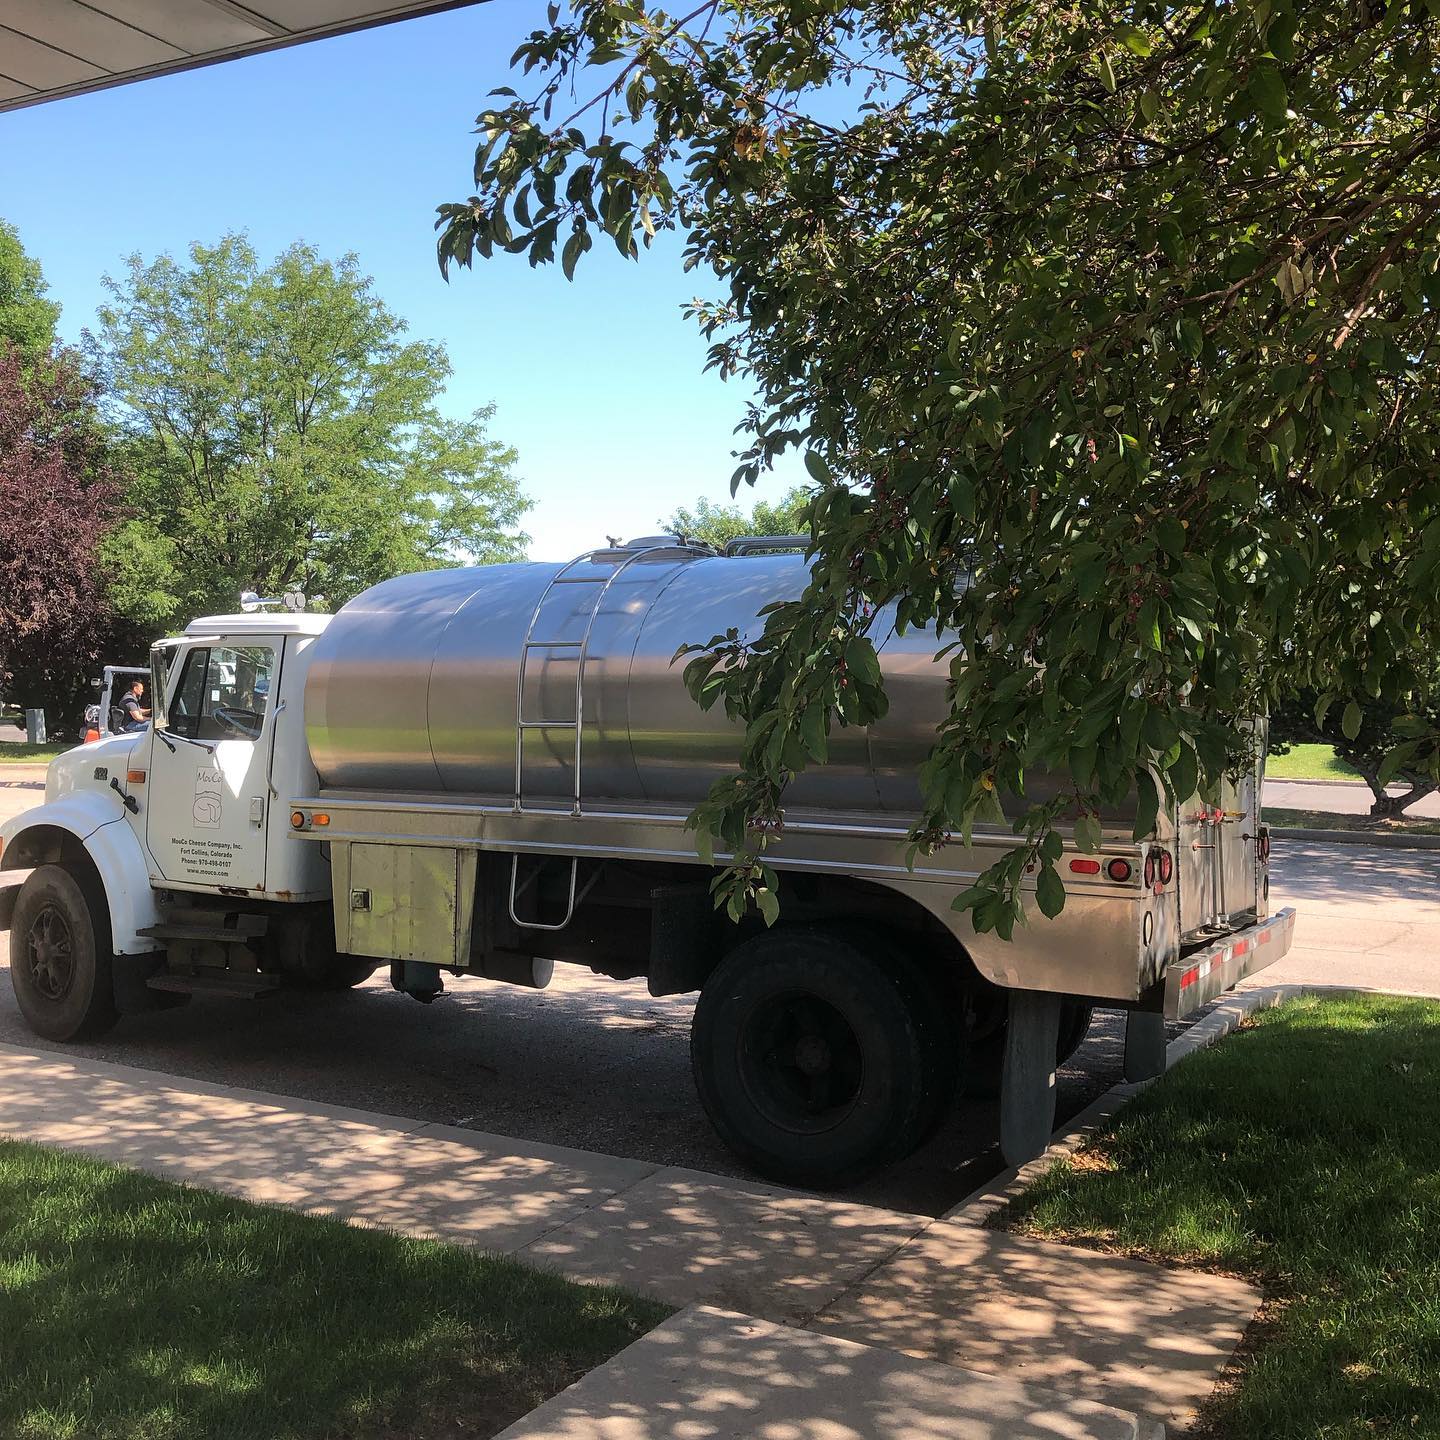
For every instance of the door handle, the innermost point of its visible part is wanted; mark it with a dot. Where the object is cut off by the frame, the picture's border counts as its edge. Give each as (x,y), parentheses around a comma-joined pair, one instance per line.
(257,810)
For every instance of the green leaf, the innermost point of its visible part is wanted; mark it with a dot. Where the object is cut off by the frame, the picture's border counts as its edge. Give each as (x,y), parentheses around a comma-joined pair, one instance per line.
(1351,720)
(1088,834)
(816,465)
(1107,73)
(1267,90)
(1171,535)
(769,904)
(1172,241)
(1135,41)
(1148,625)
(1147,804)
(1049,892)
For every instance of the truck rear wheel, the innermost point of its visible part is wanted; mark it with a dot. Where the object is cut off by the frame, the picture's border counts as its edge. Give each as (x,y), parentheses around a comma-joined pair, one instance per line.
(810,1057)
(985,1040)
(60,954)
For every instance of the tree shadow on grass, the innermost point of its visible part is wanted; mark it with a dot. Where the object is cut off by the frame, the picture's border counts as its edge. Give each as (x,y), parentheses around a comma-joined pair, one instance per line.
(133,1307)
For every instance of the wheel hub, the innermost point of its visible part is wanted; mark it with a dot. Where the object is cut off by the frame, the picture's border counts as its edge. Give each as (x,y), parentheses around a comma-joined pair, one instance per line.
(801,1063)
(812,1055)
(52,954)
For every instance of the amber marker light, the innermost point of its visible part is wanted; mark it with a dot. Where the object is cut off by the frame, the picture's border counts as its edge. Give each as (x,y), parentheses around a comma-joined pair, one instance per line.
(135,777)
(319,819)
(297,819)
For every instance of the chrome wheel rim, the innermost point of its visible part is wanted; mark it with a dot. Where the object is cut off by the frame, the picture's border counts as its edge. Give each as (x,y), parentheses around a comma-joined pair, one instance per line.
(51,953)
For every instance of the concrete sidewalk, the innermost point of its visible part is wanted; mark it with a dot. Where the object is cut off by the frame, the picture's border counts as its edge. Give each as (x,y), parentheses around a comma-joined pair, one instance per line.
(1107,1331)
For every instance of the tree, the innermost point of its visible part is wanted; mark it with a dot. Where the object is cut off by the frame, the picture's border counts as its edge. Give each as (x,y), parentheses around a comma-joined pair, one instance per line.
(286,435)
(1111,339)
(1301,720)
(59,495)
(27,318)
(718,524)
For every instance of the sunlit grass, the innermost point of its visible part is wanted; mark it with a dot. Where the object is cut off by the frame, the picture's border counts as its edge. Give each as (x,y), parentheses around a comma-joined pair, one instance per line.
(1304,1153)
(21,752)
(1309,762)
(133,1309)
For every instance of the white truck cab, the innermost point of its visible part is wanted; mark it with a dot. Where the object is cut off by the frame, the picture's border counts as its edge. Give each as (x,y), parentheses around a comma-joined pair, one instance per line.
(145,841)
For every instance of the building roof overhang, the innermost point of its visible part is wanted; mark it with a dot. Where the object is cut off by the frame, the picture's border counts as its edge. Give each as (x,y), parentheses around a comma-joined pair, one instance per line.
(53,48)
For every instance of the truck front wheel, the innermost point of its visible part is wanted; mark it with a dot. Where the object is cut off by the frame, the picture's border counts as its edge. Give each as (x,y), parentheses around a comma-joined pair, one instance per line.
(60,954)
(809,1057)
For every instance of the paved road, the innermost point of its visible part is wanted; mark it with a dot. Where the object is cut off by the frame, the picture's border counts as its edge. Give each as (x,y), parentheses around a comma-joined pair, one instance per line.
(601,1065)
(1367,916)
(1343,798)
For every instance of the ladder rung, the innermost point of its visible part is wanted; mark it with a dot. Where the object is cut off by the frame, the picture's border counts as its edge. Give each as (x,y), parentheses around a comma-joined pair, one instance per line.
(547,724)
(551,644)
(581,580)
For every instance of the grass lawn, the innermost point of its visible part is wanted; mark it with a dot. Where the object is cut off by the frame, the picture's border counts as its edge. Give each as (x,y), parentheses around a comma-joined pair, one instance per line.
(23,753)
(134,1309)
(1361,824)
(1308,762)
(1303,1153)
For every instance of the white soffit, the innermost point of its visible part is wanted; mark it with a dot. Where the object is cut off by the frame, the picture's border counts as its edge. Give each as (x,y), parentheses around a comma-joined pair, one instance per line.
(53,48)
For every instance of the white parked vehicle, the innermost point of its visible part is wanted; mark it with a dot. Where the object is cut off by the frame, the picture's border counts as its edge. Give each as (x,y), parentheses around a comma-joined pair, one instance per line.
(480,773)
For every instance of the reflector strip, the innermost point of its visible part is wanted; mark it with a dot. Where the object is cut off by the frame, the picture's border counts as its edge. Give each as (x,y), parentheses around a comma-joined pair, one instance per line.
(1194,973)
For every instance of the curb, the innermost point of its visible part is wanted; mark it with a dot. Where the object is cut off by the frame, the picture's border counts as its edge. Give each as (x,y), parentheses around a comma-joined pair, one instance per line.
(1296,780)
(1359,837)
(977,1207)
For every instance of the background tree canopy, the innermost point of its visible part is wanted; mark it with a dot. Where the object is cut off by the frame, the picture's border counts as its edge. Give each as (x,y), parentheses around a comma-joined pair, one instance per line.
(27,318)
(1111,338)
(283,433)
(717,524)
(59,496)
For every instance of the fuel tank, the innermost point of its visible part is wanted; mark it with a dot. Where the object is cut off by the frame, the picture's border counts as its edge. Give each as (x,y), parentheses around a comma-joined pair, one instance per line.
(464,682)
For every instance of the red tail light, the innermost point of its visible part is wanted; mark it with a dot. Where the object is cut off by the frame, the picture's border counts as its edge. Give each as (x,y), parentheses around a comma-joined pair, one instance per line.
(1085,867)
(1149,868)
(1165,867)
(1119,871)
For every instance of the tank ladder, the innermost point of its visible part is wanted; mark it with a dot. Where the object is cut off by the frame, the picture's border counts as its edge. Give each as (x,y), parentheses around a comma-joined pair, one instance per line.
(576,723)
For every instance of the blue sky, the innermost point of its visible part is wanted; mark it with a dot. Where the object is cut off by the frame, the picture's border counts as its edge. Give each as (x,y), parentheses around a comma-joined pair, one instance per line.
(350,143)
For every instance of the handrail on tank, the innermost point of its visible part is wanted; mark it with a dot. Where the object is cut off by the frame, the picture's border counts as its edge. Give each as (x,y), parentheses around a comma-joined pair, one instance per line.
(624,558)
(762,544)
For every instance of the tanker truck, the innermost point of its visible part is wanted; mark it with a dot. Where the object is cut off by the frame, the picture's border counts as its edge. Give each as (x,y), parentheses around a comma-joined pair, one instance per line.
(472,775)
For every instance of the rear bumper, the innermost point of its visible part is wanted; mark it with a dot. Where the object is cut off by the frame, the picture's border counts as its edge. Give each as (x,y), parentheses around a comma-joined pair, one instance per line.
(1199,978)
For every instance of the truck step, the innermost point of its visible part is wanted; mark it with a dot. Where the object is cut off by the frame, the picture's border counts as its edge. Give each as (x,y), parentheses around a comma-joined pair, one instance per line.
(230,984)
(220,934)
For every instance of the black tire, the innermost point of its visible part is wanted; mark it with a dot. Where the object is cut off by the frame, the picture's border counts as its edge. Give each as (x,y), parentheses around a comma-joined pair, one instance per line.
(344,972)
(936,1012)
(985,1040)
(305,954)
(60,954)
(810,1057)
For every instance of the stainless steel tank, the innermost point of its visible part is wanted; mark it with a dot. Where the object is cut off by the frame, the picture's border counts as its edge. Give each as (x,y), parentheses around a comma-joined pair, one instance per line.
(414,685)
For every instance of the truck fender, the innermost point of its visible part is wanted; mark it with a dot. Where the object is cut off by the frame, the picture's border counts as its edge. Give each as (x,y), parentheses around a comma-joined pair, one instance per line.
(85,824)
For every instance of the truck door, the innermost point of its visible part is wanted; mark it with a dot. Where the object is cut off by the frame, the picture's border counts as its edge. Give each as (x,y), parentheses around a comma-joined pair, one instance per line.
(210,762)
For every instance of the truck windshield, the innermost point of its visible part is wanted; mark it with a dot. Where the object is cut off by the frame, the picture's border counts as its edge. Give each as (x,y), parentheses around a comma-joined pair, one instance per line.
(161,659)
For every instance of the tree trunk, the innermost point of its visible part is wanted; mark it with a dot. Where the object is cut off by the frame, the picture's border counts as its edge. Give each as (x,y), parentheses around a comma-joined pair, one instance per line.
(1392,807)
